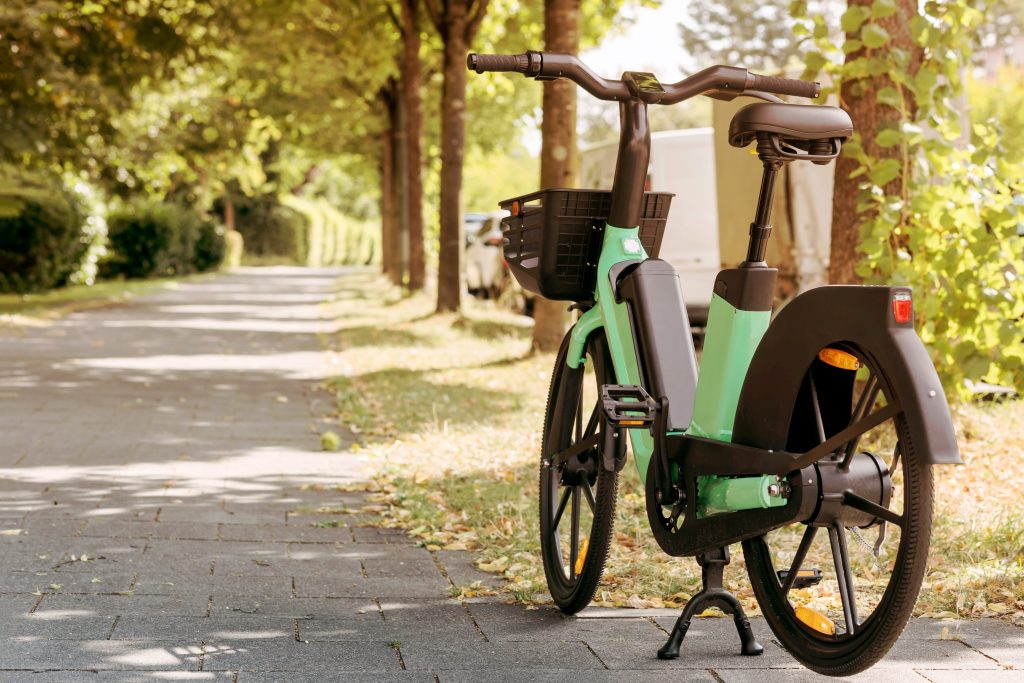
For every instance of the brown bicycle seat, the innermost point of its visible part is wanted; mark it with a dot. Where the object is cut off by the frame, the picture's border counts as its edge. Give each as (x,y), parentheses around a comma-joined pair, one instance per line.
(792,121)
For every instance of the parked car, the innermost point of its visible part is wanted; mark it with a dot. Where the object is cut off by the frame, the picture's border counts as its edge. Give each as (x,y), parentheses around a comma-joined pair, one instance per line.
(487,275)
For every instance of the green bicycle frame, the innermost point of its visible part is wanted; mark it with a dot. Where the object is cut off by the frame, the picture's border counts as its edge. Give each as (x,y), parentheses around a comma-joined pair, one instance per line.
(731,338)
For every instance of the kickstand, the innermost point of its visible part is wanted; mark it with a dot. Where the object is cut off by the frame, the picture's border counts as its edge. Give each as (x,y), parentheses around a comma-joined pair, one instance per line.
(712,567)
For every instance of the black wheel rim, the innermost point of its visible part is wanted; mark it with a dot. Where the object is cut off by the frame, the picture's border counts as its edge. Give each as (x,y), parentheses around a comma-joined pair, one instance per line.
(850,593)
(577,495)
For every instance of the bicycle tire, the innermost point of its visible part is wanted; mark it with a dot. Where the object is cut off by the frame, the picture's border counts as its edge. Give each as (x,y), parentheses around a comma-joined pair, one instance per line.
(847,654)
(573,589)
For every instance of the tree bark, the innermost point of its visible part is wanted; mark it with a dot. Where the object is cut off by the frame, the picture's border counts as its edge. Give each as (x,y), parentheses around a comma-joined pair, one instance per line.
(558,158)
(858,97)
(457,22)
(412,104)
(391,215)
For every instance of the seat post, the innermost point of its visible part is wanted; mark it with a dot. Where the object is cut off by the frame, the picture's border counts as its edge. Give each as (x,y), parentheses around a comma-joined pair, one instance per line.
(761,228)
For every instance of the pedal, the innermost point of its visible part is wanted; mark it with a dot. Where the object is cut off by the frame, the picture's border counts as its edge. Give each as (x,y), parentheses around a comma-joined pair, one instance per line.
(805,578)
(627,405)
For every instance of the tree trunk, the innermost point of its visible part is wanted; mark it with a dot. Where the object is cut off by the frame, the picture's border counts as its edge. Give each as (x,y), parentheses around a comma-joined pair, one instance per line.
(858,97)
(412,101)
(391,214)
(453,134)
(558,159)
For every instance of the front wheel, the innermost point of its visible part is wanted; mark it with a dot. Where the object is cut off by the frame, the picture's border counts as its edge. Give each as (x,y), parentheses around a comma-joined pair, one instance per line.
(577,495)
(839,589)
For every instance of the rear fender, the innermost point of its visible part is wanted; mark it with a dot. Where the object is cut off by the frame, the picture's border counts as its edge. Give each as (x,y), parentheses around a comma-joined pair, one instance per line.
(857,315)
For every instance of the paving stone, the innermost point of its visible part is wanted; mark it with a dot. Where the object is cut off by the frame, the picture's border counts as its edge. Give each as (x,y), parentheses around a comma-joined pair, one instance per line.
(282,533)
(961,676)
(388,630)
(427,655)
(461,569)
(999,640)
(557,675)
(805,676)
(515,622)
(324,658)
(710,644)
(236,626)
(68,582)
(367,534)
(298,608)
(317,677)
(30,627)
(141,676)
(100,654)
(405,587)
(86,605)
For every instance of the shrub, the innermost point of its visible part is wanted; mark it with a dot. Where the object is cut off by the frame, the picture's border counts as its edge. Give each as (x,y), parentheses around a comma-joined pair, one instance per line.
(210,246)
(41,239)
(149,238)
(271,229)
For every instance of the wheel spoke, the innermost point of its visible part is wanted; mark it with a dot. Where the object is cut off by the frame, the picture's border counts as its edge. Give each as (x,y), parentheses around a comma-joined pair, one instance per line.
(798,559)
(574,536)
(856,502)
(866,402)
(578,422)
(855,430)
(589,493)
(895,458)
(592,423)
(561,508)
(841,560)
(817,409)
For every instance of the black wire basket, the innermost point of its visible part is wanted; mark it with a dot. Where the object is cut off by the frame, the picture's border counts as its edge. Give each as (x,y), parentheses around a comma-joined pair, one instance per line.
(553,238)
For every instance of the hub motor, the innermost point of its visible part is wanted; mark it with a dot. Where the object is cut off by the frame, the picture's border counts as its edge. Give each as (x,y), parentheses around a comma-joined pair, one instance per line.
(867,476)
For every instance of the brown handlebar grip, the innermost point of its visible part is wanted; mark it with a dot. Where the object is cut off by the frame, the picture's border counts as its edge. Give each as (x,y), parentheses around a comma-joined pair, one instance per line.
(784,86)
(483,63)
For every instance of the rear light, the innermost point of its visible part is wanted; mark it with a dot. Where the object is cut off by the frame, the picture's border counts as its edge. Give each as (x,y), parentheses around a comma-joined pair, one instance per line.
(515,208)
(902,307)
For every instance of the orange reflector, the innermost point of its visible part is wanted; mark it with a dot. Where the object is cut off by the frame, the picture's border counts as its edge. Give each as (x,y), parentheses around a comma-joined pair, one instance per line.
(816,620)
(632,423)
(515,208)
(582,558)
(839,359)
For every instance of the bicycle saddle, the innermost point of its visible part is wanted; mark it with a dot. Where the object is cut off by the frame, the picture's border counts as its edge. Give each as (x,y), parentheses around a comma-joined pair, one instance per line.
(792,121)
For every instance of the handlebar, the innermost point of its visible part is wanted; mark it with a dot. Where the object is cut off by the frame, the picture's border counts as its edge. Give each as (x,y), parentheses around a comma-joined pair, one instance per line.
(720,82)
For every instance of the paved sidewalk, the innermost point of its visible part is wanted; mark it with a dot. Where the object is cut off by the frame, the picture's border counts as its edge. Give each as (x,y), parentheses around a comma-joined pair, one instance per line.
(159,466)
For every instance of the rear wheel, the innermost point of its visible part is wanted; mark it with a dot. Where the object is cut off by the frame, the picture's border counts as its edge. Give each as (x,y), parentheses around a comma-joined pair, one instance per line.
(839,590)
(577,495)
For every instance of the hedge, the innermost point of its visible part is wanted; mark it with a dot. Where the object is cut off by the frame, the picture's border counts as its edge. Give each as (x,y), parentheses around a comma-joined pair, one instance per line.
(41,237)
(149,238)
(333,238)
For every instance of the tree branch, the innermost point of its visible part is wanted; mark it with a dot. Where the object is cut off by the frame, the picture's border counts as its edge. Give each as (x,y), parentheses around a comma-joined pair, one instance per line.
(394,17)
(437,14)
(475,19)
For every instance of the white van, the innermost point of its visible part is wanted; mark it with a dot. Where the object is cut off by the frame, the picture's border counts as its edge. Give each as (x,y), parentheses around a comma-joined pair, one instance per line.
(682,162)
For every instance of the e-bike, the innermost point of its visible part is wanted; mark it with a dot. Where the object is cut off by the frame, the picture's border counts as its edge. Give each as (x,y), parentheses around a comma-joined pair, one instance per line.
(809,438)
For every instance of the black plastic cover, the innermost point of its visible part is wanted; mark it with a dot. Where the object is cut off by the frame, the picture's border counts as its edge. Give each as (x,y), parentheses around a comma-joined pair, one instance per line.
(668,361)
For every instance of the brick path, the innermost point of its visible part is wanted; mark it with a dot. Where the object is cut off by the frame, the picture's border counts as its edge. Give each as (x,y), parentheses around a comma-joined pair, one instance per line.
(157,461)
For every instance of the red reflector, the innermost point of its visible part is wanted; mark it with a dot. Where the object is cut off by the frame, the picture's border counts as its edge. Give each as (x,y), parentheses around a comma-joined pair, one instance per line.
(902,307)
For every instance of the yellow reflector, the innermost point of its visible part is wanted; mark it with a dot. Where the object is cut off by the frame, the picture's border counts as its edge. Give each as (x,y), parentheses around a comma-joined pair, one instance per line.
(839,359)
(816,620)
(582,557)
(632,423)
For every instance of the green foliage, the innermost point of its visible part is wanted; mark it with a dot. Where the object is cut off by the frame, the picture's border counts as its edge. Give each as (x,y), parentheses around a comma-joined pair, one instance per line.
(41,237)
(210,246)
(955,233)
(149,238)
(269,228)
